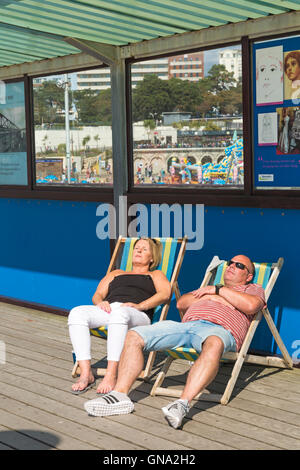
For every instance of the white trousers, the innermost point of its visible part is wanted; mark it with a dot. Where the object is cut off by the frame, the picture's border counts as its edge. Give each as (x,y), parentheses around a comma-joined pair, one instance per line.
(118,322)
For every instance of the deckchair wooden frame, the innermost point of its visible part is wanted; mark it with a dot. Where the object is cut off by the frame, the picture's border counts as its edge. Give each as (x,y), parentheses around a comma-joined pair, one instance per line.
(239,357)
(164,311)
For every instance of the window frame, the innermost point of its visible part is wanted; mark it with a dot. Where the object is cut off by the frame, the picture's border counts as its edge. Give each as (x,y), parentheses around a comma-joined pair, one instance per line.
(32,190)
(246,197)
(155,193)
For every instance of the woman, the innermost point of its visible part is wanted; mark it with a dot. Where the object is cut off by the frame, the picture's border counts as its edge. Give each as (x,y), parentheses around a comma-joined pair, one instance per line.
(122,300)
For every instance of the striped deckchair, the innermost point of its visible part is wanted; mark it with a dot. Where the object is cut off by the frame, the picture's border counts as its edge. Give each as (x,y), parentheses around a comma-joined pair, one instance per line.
(266,275)
(173,250)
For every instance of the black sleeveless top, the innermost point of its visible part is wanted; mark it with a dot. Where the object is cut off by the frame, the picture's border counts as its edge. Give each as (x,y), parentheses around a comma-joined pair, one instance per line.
(131,288)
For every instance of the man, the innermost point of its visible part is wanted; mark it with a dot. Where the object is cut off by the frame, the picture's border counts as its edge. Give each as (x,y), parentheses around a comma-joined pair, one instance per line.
(216,320)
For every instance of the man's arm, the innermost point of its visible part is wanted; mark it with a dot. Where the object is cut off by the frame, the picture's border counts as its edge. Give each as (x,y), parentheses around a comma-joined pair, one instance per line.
(185,301)
(246,303)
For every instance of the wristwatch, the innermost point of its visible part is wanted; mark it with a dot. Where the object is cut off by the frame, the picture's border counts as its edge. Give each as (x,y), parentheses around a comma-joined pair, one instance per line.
(218,287)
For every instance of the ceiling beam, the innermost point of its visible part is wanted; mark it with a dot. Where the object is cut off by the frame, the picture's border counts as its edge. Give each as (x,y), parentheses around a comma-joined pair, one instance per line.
(106,53)
(49,66)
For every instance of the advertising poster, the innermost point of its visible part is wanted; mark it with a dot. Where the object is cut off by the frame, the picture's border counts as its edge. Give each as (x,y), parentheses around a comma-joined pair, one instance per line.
(276,113)
(13,154)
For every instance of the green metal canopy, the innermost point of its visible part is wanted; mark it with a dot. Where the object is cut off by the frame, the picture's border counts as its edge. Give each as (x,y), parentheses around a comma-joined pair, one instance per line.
(33,30)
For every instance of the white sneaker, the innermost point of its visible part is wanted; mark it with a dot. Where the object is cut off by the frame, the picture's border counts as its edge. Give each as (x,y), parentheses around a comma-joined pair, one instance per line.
(175,412)
(112,403)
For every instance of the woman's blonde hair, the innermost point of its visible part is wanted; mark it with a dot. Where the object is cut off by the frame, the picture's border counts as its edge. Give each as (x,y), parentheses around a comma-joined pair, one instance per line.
(156,251)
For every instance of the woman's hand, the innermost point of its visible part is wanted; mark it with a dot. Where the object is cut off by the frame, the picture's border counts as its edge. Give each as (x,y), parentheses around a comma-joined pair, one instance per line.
(104,305)
(131,304)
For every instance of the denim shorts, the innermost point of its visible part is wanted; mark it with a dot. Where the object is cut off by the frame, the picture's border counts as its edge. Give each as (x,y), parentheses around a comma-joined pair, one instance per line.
(170,334)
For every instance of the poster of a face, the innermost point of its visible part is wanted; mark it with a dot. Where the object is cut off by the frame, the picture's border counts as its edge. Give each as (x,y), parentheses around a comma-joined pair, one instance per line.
(269,76)
(292,76)
(288,131)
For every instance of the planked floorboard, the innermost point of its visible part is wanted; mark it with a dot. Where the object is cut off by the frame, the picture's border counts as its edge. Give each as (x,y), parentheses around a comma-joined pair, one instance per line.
(38,412)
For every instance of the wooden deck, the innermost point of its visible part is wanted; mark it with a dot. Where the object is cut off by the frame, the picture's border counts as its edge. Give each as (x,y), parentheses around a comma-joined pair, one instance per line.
(37,410)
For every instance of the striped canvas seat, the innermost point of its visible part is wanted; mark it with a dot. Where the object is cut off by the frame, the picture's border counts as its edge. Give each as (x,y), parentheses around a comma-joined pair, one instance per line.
(169,252)
(266,275)
(262,276)
(173,250)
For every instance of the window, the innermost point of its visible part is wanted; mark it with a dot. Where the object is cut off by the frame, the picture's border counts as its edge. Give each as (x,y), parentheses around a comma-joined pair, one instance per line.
(183,125)
(72,130)
(13,144)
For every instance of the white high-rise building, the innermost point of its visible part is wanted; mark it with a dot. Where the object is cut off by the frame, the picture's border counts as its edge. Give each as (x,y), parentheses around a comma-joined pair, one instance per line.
(184,66)
(158,67)
(96,79)
(232,60)
(99,79)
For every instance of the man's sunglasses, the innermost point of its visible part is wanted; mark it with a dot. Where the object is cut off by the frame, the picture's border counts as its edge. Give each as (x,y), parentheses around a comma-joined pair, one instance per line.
(241,266)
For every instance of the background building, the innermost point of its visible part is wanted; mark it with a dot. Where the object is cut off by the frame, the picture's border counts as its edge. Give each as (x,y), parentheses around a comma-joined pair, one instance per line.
(99,79)
(187,66)
(232,60)
(184,66)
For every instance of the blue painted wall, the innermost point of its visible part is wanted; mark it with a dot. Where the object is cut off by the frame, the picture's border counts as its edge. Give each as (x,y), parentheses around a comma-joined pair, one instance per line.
(50,254)
(49,251)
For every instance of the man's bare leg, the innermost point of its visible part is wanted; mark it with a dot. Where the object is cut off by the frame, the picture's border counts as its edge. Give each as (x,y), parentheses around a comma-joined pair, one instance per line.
(205,368)
(131,362)
(201,374)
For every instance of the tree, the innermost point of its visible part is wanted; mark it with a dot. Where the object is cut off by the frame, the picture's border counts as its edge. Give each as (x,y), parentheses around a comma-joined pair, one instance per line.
(104,107)
(220,92)
(97,138)
(151,97)
(93,106)
(214,94)
(149,124)
(220,79)
(209,102)
(85,140)
(86,105)
(231,101)
(185,95)
(49,103)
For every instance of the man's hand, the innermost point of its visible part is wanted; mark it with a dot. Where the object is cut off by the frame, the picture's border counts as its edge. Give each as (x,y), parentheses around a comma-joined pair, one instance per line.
(208,290)
(104,305)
